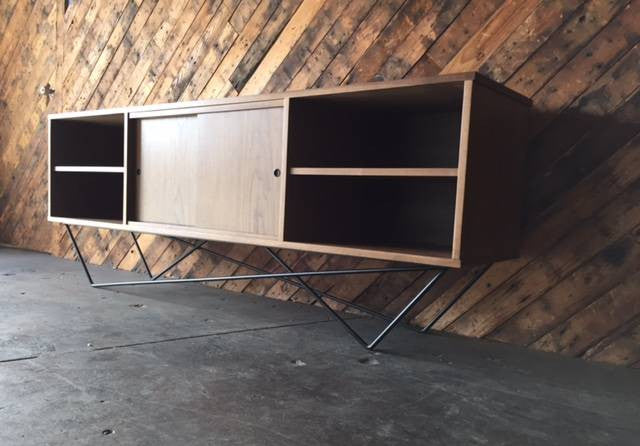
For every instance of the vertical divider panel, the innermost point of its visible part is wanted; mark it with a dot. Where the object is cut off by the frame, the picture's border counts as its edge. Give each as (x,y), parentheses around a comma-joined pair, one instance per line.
(125,175)
(462,168)
(284,169)
(49,167)
(131,164)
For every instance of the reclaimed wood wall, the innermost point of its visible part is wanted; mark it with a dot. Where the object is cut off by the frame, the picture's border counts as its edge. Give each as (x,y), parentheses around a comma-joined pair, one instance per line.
(575,288)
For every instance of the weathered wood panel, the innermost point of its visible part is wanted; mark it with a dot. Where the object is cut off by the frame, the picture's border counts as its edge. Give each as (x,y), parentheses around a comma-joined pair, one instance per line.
(573,290)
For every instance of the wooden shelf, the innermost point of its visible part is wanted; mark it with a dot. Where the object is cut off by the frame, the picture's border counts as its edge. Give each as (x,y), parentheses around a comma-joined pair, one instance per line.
(90,169)
(375,171)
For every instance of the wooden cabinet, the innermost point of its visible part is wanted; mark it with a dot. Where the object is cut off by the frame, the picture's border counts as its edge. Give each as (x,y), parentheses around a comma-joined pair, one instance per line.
(423,171)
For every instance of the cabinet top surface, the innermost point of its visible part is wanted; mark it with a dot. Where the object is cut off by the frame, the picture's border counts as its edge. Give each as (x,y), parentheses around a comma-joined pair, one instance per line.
(371,86)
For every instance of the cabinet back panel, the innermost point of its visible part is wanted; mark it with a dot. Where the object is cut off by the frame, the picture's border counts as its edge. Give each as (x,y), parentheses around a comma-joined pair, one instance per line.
(412,213)
(212,170)
(88,142)
(390,129)
(87,195)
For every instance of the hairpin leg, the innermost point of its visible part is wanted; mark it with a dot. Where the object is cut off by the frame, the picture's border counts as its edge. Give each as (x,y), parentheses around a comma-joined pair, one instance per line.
(144,261)
(296,278)
(350,330)
(180,259)
(462,292)
(77,250)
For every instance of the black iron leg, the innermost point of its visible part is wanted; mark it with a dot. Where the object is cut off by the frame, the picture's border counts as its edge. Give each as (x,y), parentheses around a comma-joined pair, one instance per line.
(462,292)
(295,278)
(396,320)
(144,261)
(77,250)
(350,330)
(406,309)
(178,260)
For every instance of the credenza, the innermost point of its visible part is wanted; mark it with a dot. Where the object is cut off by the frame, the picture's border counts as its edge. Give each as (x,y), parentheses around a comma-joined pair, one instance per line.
(423,171)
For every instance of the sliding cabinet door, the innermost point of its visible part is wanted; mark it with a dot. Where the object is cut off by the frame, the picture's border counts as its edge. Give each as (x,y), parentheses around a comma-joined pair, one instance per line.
(216,170)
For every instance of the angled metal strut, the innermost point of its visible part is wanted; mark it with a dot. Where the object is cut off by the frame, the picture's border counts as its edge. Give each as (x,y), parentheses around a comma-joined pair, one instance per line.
(294,278)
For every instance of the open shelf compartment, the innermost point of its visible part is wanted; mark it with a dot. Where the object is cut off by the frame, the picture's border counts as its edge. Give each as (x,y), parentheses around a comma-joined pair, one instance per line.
(87,167)
(88,141)
(395,214)
(87,195)
(417,127)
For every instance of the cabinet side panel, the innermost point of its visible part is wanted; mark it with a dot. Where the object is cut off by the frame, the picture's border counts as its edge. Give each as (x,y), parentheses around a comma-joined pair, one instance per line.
(491,221)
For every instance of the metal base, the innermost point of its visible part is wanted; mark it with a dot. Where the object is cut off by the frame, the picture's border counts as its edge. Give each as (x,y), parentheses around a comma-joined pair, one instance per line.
(296,279)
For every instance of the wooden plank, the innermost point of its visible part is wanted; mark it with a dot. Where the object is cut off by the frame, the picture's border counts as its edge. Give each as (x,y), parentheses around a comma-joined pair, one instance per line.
(587,153)
(9,41)
(258,257)
(491,36)
(354,48)
(350,287)
(528,37)
(325,283)
(624,349)
(383,47)
(6,12)
(170,84)
(615,39)
(332,42)
(260,287)
(407,54)
(280,48)
(426,312)
(585,115)
(127,26)
(265,39)
(137,34)
(96,169)
(138,72)
(237,51)
(464,27)
(563,45)
(164,50)
(563,259)
(91,49)
(386,287)
(578,205)
(308,42)
(225,268)
(242,13)
(308,262)
(375,172)
(78,35)
(564,299)
(596,320)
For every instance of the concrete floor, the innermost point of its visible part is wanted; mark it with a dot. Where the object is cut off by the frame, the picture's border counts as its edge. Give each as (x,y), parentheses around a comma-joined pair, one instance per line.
(189,365)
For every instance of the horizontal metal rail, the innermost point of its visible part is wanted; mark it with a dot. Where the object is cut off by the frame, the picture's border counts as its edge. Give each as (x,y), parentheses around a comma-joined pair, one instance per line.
(326,294)
(259,276)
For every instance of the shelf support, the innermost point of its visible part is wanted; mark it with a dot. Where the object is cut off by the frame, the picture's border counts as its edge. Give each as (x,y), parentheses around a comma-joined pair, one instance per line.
(296,279)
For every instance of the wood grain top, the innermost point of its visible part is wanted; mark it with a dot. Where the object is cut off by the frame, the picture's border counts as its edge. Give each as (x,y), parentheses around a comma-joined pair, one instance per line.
(371,86)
